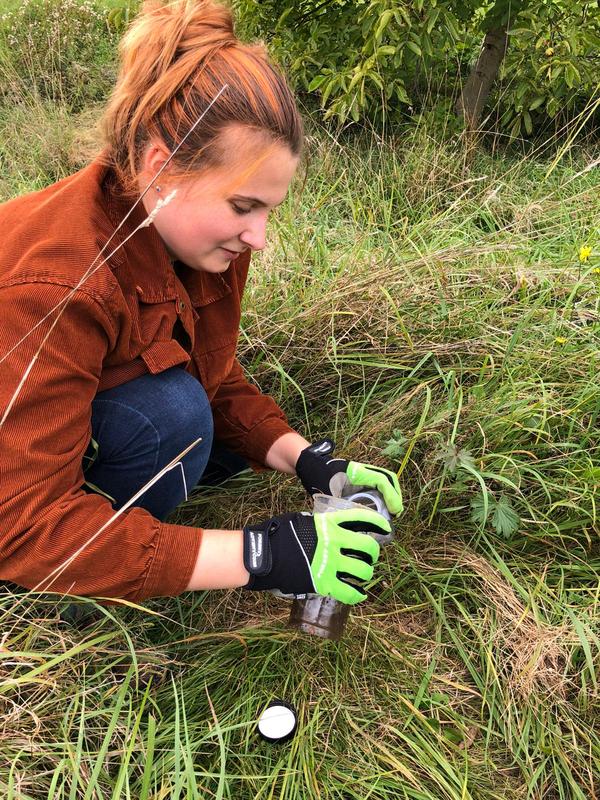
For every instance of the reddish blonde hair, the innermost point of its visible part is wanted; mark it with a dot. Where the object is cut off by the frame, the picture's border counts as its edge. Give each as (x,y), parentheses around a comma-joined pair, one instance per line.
(175,57)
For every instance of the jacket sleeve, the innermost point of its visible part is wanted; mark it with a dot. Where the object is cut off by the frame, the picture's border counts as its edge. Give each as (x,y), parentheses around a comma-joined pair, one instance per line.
(246,420)
(45,515)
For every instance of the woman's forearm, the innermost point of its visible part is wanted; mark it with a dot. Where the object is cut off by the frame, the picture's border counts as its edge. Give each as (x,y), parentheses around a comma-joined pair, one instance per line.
(220,563)
(284,452)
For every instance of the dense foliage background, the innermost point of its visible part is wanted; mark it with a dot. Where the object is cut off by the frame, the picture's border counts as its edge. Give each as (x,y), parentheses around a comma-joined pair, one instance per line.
(388,58)
(377,60)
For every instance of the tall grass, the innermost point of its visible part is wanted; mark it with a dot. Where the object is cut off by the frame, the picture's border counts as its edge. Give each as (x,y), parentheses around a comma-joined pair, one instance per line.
(427,299)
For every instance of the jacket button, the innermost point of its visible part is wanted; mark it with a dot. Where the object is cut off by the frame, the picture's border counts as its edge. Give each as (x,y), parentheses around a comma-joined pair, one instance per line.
(180,305)
(139,289)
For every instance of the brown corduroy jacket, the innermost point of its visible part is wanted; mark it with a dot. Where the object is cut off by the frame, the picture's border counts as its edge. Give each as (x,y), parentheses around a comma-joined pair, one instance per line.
(117,326)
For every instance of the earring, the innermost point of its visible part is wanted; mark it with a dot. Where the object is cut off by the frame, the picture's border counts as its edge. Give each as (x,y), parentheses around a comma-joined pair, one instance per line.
(158,189)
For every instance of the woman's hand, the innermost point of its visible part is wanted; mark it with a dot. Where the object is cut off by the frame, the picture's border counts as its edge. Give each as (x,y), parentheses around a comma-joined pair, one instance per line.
(329,554)
(320,473)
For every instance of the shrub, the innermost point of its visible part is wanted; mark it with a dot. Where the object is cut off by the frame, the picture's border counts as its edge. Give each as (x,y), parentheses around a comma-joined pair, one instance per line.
(380,59)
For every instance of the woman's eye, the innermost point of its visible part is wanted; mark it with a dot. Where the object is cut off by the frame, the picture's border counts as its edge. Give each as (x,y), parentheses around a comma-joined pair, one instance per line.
(240,209)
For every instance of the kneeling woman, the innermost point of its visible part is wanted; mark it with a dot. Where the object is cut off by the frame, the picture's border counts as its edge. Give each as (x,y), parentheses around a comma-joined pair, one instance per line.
(120,289)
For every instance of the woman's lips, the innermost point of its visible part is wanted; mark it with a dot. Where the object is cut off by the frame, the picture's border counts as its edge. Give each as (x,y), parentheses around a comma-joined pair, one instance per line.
(232,254)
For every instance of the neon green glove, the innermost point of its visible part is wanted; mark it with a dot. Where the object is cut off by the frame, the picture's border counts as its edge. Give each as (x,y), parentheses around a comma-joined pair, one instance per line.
(304,553)
(320,473)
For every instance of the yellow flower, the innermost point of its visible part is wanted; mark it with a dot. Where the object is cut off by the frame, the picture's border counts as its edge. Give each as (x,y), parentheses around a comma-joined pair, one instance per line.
(550,51)
(596,270)
(584,253)
(560,340)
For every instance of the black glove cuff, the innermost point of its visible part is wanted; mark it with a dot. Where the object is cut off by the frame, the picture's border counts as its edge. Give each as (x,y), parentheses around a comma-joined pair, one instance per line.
(312,468)
(324,447)
(275,558)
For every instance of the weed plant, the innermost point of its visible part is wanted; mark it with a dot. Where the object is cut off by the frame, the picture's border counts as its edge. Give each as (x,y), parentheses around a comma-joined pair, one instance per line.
(429,305)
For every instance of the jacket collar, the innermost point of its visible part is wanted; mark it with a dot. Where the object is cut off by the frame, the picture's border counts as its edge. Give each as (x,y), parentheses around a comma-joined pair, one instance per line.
(203,287)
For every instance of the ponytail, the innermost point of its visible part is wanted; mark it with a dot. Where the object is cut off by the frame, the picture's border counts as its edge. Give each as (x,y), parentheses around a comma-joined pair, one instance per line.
(175,57)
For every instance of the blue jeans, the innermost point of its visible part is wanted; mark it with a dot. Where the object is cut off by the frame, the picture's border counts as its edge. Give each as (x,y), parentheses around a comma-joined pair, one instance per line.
(140,427)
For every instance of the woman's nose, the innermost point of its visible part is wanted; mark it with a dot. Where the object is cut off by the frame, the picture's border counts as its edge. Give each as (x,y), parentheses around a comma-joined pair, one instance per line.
(254,236)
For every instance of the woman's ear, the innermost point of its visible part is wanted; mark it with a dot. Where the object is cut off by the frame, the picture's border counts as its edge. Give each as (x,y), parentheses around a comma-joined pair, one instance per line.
(153,160)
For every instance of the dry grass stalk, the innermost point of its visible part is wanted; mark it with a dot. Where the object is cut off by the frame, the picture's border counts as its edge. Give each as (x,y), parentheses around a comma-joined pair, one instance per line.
(532,655)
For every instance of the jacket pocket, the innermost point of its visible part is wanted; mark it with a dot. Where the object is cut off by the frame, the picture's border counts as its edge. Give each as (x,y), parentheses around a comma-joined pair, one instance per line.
(215,365)
(160,356)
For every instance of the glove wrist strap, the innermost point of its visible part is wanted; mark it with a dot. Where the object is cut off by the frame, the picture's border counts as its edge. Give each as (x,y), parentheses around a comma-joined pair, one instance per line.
(258,557)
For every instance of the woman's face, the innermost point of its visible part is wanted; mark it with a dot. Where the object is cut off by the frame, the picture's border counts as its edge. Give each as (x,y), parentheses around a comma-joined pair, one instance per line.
(223,212)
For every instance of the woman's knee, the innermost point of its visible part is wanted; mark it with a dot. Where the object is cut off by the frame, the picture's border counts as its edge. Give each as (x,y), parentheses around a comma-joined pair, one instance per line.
(143,425)
(184,405)
(173,405)
(185,417)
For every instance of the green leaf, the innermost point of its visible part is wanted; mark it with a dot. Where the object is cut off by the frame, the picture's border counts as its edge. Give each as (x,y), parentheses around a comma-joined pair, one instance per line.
(284,16)
(432,19)
(373,76)
(401,15)
(427,45)
(454,458)
(401,94)
(452,26)
(115,19)
(396,446)
(383,23)
(478,510)
(355,79)
(317,81)
(592,474)
(504,518)
(572,75)
(415,48)
(452,734)
(328,89)
(537,102)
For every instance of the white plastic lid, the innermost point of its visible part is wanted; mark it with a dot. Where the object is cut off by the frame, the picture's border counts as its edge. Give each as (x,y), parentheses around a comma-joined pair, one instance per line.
(277,723)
